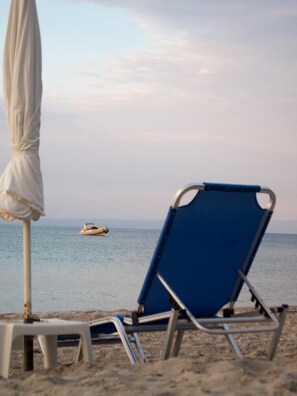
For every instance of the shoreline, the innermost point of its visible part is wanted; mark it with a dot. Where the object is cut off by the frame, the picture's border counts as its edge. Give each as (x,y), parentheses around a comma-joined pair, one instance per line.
(206,365)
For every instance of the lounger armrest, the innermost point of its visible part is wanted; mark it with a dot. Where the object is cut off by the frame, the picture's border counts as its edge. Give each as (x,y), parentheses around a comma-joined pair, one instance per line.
(220,321)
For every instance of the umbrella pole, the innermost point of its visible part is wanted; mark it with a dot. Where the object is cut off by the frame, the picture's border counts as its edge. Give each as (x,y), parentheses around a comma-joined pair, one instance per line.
(28,340)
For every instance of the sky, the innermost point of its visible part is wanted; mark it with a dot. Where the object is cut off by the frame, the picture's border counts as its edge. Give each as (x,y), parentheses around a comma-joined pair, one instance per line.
(142,97)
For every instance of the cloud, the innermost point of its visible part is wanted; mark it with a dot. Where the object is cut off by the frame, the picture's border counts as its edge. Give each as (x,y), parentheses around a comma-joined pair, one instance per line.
(208,17)
(208,93)
(170,70)
(210,54)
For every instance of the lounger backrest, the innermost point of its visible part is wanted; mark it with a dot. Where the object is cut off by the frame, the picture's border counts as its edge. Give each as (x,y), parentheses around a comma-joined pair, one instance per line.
(201,248)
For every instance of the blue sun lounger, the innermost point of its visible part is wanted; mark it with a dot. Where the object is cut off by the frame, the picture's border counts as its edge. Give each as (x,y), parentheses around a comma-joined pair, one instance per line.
(201,262)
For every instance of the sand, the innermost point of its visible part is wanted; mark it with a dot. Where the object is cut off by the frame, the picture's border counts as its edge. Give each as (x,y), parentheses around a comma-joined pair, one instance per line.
(206,365)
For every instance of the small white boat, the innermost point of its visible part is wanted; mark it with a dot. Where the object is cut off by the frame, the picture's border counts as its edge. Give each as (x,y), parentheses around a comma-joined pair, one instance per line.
(92,229)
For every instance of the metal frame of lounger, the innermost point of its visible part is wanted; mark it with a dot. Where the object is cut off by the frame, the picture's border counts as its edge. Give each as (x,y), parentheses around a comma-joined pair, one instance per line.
(180,318)
(176,322)
(220,325)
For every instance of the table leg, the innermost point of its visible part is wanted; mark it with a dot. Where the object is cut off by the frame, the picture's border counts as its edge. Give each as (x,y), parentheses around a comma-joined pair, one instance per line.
(6,340)
(50,351)
(85,350)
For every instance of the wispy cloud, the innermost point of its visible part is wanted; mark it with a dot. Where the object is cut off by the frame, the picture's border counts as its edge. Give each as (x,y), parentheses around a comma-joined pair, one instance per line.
(208,92)
(200,49)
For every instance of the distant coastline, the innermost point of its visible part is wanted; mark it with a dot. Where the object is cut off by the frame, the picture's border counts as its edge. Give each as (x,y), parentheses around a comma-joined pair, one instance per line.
(283,226)
(111,223)
(275,227)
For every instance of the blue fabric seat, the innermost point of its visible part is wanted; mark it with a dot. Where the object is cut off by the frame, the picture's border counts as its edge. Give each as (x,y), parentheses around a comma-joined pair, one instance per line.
(202,260)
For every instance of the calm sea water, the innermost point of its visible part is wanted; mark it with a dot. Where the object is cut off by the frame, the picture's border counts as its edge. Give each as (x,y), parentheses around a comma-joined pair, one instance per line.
(74,272)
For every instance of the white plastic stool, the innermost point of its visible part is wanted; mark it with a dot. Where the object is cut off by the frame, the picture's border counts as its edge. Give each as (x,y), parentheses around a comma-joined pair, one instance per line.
(11,330)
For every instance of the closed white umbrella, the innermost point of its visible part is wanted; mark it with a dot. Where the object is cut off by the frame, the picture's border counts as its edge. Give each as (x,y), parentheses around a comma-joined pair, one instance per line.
(21,189)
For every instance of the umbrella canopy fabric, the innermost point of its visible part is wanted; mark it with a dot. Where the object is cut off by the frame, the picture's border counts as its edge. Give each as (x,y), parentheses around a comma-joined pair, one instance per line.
(21,188)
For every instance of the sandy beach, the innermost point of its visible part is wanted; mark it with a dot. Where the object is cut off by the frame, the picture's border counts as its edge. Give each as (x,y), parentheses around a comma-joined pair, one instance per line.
(206,365)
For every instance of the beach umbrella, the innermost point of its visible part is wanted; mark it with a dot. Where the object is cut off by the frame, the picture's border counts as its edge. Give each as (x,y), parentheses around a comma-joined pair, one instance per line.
(21,189)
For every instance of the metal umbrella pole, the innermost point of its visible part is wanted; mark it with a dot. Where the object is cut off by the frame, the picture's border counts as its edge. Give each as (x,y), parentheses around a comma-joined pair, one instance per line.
(28,340)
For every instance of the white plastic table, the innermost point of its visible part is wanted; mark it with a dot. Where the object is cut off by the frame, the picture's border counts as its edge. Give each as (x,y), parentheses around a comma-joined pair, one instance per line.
(12,331)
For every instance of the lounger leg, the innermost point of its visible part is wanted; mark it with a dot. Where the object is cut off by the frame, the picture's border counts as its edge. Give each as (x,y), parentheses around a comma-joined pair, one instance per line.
(139,348)
(233,343)
(277,334)
(178,341)
(125,341)
(123,336)
(170,333)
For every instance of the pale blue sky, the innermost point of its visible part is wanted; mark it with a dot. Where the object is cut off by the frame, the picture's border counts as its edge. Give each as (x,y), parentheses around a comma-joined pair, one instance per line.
(143,97)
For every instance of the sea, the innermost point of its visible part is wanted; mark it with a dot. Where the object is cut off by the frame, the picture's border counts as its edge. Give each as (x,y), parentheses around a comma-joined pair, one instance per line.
(71,272)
